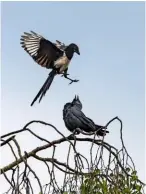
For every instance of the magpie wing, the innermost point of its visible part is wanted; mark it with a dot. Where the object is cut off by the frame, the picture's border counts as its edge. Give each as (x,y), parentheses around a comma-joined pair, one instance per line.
(43,51)
(60,45)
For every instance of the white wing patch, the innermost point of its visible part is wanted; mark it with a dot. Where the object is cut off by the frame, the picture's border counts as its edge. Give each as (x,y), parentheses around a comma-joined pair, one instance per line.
(60,45)
(31,42)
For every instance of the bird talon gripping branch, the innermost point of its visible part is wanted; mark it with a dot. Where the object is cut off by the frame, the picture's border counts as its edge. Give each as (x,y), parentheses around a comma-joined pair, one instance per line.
(76,131)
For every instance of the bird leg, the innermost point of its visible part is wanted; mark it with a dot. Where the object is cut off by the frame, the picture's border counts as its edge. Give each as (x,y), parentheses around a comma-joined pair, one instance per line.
(72,80)
(76,131)
(65,74)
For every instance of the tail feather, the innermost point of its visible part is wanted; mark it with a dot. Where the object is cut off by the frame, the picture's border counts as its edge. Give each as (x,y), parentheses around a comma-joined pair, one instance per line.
(101,131)
(45,87)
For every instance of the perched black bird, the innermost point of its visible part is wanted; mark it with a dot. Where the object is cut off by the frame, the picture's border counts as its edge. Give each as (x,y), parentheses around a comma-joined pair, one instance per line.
(55,56)
(74,118)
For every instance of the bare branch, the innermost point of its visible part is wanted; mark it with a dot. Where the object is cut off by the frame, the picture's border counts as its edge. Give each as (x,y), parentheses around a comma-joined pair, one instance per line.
(76,166)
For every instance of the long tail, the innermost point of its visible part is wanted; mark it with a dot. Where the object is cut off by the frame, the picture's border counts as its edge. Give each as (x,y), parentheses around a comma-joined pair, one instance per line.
(101,131)
(45,87)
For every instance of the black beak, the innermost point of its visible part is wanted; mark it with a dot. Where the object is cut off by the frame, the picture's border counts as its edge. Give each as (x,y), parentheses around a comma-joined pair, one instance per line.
(77,51)
(75,98)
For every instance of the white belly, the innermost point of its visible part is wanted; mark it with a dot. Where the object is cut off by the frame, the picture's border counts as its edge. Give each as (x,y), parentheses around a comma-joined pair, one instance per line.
(62,63)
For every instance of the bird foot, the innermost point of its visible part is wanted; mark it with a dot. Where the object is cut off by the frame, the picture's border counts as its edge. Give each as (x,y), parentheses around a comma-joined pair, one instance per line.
(76,131)
(71,80)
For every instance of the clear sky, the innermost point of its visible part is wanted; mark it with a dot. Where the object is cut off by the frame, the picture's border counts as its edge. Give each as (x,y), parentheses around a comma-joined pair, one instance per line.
(110,68)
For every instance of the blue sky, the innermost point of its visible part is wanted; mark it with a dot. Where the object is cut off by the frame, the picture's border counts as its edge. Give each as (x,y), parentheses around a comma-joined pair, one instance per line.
(110,68)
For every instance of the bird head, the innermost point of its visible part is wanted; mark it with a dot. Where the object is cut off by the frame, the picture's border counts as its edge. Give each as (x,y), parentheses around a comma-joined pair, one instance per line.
(76,102)
(74,48)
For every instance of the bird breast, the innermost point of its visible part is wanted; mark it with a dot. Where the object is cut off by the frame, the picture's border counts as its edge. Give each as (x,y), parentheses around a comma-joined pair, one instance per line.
(62,63)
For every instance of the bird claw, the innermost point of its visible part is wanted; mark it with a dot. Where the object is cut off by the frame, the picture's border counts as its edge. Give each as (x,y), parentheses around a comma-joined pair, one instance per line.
(71,80)
(75,80)
(76,132)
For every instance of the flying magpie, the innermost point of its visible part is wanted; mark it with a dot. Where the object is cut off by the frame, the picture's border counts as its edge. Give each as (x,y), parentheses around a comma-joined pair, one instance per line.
(74,118)
(55,56)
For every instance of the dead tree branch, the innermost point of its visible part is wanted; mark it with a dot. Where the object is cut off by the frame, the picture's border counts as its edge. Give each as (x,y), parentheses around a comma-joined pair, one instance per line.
(73,171)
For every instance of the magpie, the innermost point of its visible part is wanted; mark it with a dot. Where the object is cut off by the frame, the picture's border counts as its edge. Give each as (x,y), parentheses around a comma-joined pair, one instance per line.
(74,118)
(55,56)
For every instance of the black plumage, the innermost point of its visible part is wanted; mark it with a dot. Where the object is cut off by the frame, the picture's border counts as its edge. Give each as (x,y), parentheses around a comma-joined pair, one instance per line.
(74,118)
(55,56)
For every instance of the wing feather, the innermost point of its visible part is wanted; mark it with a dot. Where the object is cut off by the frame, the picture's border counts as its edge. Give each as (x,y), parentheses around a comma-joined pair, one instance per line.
(83,119)
(43,51)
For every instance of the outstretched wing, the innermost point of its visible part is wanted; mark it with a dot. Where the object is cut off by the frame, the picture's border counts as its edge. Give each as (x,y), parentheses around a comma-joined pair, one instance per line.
(41,50)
